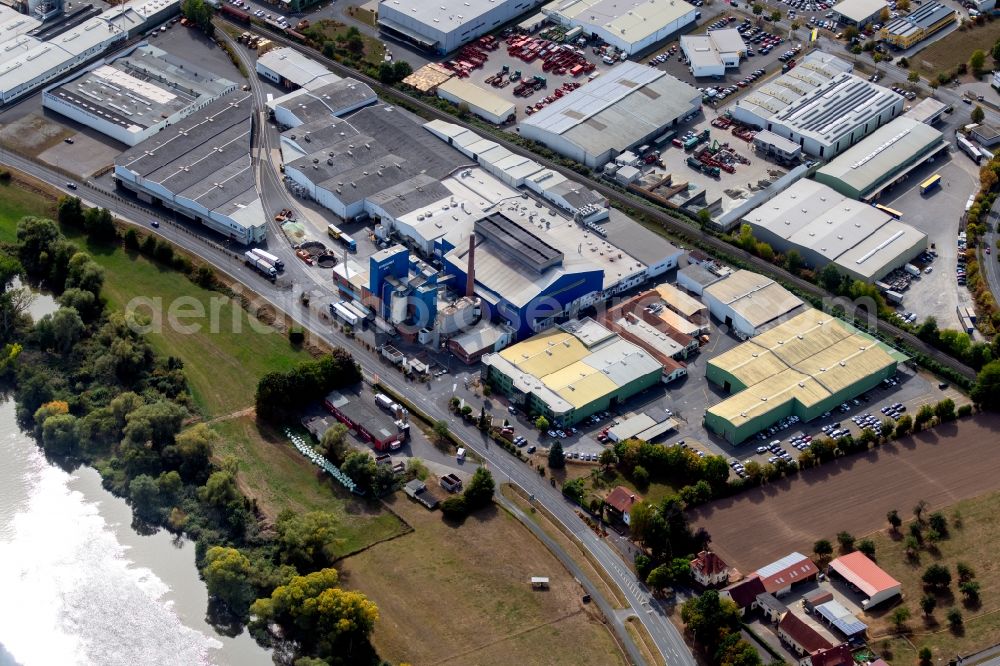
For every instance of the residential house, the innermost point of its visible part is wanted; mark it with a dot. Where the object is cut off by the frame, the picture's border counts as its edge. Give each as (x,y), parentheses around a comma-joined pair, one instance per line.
(802,639)
(744,593)
(620,502)
(709,570)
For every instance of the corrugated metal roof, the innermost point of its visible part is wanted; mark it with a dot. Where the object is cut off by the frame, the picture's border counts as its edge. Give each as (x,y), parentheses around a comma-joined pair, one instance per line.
(756,298)
(859,10)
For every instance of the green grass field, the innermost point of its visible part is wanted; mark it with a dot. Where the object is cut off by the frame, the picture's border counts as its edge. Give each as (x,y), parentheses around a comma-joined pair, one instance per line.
(948,53)
(16,203)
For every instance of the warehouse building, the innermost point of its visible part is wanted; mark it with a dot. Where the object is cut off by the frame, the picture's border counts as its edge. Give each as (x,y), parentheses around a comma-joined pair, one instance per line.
(137,94)
(883,159)
(631,26)
(32,54)
(926,20)
(359,413)
(444,25)
(867,577)
(324,102)
(928,111)
(571,372)
(814,71)
(712,54)
(747,301)
(290,69)
(824,116)
(827,227)
(805,366)
(624,108)
(200,167)
(859,13)
(480,102)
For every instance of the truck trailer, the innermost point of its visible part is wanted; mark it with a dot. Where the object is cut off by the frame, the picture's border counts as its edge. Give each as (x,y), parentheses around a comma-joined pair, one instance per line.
(261,265)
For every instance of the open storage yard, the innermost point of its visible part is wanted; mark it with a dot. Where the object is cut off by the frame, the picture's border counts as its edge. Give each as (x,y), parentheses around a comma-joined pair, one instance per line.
(450,595)
(942,465)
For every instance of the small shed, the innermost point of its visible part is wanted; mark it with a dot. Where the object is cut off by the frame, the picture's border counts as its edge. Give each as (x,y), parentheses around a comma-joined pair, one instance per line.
(539,582)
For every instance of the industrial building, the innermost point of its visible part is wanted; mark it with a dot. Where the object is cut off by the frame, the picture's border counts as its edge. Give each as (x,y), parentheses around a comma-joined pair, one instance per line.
(444,25)
(323,102)
(747,301)
(631,26)
(825,116)
(926,20)
(826,227)
(358,411)
(870,579)
(200,167)
(136,95)
(33,54)
(628,106)
(290,69)
(859,13)
(480,102)
(928,111)
(883,159)
(805,366)
(713,53)
(647,426)
(570,372)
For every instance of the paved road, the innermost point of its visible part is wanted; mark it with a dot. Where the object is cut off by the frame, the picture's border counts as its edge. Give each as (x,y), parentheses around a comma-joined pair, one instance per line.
(677,226)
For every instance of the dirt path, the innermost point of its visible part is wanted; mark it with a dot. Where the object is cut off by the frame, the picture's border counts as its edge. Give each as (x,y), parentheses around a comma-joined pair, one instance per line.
(944,465)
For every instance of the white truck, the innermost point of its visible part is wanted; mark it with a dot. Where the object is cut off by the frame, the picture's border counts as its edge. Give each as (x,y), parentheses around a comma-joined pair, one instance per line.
(912,270)
(269,258)
(261,265)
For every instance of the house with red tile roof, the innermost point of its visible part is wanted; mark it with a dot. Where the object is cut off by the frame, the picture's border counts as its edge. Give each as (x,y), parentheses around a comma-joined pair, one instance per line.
(744,593)
(839,655)
(709,570)
(779,576)
(620,502)
(803,640)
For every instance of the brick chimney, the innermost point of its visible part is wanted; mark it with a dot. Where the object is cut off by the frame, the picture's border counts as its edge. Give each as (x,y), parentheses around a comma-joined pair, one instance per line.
(470,280)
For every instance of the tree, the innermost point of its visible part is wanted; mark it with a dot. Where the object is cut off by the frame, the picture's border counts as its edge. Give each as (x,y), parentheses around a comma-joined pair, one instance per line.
(479,492)
(936,576)
(823,548)
(308,540)
(191,453)
(454,508)
(964,572)
(84,302)
(918,510)
(557,459)
(84,273)
(61,330)
(945,410)
(709,617)
(758,9)
(903,5)
(59,434)
(927,604)
(913,77)
(894,520)
(386,73)
(846,541)
(100,225)
(158,423)
(899,618)
(401,70)
(977,114)
(361,468)
(883,16)
(776,15)
(970,589)
(334,443)
(926,657)
(280,395)
(954,618)
(904,425)
(227,575)
(794,261)
(831,278)
(220,490)
(36,238)
(145,495)
(542,423)
(70,211)
(640,476)
(938,523)
(608,458)
(986,390)
(326,619)
(441,431)
(198,12)
(867,546)
(977,60)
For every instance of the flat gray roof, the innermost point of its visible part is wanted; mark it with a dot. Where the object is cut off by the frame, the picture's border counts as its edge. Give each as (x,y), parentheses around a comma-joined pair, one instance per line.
(519,240)
(859,10)
(329,99)
(388,148)
(614,111)
(837,107)
(205,159)
(141,88)
(636,240)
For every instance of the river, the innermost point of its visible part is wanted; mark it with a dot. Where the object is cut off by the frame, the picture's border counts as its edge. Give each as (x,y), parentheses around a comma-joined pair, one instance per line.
(80,585)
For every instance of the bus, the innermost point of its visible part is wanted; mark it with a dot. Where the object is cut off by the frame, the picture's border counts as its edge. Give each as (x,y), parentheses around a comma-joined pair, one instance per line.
(349,242)
(930,183)
(333,231)
(894,214)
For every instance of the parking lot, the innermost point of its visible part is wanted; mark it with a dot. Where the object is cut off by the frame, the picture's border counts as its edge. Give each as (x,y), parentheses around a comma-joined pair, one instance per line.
(937,214)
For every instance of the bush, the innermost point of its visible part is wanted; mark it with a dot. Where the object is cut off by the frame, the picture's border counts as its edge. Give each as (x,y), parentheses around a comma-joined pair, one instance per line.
(454,508)
(296,335)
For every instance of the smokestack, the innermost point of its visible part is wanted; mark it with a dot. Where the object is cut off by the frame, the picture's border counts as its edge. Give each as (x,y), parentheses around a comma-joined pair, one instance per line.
(470,280)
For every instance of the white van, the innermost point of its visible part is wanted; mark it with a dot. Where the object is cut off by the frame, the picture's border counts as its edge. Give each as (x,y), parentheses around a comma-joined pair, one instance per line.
(461,453)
